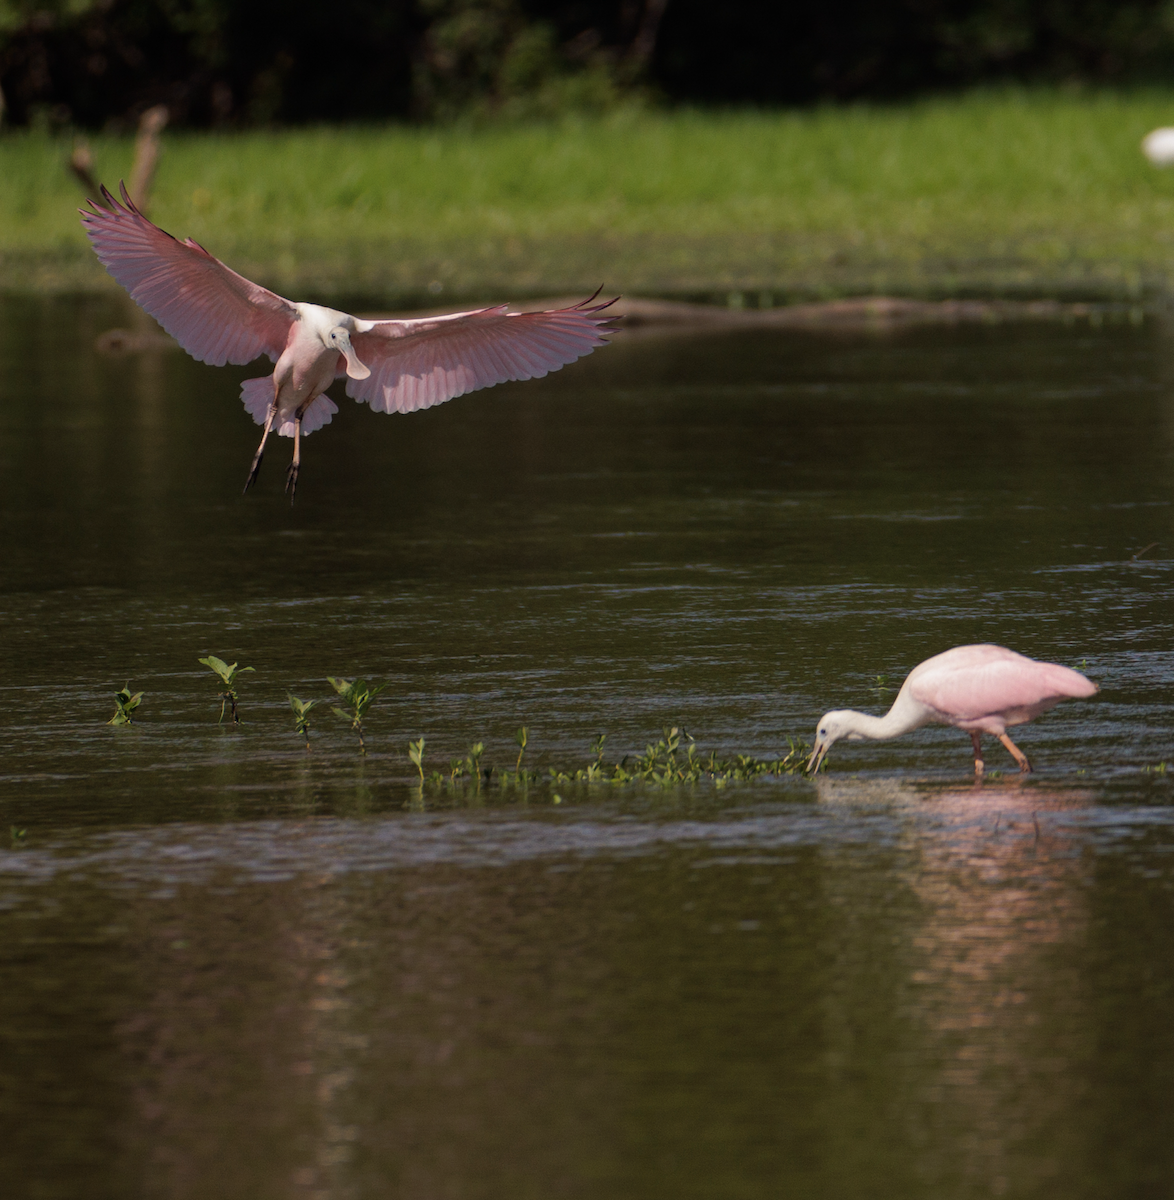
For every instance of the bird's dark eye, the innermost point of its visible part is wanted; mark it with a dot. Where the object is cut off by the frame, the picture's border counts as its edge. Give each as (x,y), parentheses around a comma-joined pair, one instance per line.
(823,733)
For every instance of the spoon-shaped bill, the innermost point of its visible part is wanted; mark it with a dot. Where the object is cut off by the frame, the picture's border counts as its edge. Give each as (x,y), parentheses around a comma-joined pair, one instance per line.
(354,365)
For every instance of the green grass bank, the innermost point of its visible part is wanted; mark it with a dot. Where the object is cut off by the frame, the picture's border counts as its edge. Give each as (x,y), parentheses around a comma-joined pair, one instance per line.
(1006,193)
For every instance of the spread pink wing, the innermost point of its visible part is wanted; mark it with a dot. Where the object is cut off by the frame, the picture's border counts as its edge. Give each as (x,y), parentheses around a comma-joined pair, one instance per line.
(216,315)
(416,364)
(1007,683)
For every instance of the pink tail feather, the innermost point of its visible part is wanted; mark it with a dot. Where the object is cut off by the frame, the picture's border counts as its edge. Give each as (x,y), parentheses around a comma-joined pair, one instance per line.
(257,396)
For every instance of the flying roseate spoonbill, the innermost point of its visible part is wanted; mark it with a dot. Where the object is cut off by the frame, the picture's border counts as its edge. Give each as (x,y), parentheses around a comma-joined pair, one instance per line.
(220,317)
(981,689)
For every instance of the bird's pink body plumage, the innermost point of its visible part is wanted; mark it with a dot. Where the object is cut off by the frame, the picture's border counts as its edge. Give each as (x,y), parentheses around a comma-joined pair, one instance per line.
(979,689)
(220,317)
(986,688)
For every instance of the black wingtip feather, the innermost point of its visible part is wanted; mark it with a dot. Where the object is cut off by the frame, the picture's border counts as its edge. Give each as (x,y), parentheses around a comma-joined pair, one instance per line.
(130,205)
(585,305)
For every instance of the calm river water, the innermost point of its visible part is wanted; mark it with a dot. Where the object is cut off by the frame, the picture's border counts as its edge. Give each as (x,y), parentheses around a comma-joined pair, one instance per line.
(231,969)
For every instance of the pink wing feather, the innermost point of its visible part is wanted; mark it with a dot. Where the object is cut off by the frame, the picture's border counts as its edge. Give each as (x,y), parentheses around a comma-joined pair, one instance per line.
(416,364)
(976,681)
(216,315)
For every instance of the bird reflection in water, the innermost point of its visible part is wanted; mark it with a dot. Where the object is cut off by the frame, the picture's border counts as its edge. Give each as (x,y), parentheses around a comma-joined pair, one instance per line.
(985,973)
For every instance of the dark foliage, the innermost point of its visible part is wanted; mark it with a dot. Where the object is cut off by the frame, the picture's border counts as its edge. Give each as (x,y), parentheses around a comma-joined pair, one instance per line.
(212,62)
(216,62)
(748,50)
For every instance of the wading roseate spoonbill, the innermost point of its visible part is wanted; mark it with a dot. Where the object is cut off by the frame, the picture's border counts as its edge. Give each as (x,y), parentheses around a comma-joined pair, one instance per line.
(981,689)
(220,317)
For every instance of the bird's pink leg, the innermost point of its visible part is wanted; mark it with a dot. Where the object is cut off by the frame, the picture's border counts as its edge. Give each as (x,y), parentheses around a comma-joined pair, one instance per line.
(261,448)
(291,476)
(976,742)
(1016,754)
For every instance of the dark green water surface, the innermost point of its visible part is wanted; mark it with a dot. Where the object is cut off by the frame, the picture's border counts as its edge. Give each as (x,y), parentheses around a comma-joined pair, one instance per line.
(231,969)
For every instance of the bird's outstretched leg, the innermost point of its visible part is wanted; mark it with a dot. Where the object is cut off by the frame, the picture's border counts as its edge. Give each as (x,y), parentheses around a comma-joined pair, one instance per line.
(1016,754)
(291,477)
(976,742)
(261,448)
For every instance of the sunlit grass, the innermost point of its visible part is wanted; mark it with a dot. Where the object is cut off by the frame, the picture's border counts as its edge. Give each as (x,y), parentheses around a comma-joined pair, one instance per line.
(1029,190)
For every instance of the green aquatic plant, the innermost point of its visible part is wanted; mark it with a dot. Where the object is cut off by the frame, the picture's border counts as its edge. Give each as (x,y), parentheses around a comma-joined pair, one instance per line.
(17,835)
(416,754)
(519,773)
(357,695)
(667,764)
(473,761)
(301,712)
(594,770)
(124,706)
(227,674)
(673,760)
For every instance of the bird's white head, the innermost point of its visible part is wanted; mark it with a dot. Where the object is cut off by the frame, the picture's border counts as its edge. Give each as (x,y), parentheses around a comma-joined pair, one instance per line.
(832,726)
(339,338)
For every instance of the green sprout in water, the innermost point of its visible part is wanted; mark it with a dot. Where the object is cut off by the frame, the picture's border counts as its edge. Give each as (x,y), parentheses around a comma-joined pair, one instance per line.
(595,769)
(227,675)
(357,697)
(124,706)
(416,754)
(473,762)
(301,712)
(520,775)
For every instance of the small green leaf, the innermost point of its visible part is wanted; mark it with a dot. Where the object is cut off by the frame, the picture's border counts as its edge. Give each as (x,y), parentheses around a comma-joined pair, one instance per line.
(220,667)
(124,706)
(416,754)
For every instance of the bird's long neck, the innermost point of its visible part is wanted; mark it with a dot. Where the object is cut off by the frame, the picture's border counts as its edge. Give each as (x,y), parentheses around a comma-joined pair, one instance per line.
(906,714)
